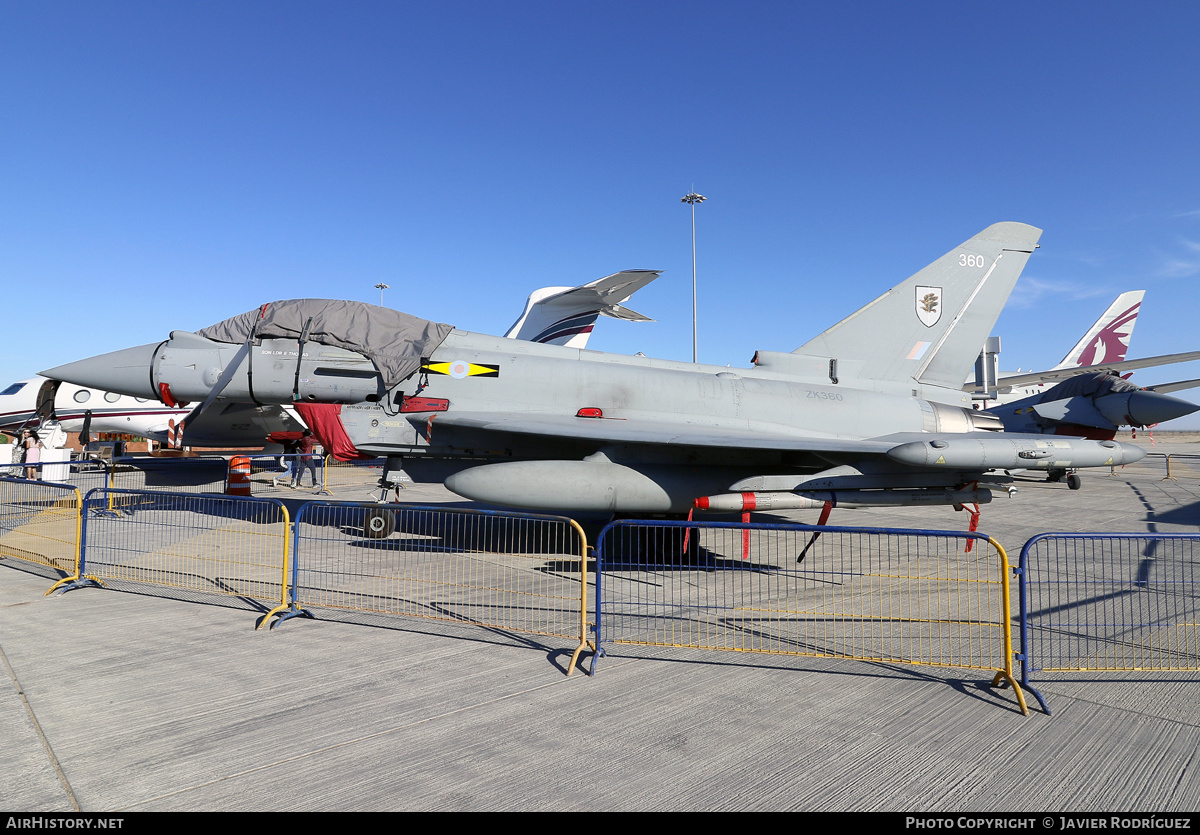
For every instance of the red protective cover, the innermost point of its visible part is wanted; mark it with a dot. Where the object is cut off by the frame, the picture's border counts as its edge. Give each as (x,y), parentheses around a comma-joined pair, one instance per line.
(324,419)
(280,437)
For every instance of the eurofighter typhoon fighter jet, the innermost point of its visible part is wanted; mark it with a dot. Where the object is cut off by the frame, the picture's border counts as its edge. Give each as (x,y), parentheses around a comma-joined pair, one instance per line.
(1085,394)
(869,413)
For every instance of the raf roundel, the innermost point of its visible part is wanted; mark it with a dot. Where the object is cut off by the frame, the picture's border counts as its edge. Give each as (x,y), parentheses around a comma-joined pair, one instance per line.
(459,369)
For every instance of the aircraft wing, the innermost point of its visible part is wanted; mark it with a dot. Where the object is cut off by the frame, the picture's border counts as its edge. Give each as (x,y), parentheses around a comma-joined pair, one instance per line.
(671,433)
(1057,374)
(1167,388)
(976,452)
(750,436)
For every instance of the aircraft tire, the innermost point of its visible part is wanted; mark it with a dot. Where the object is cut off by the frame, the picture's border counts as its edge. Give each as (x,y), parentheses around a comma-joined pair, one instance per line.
(378,523)
(1073,481)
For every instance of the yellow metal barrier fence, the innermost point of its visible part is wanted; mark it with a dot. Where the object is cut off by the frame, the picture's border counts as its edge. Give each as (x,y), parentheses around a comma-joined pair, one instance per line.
(510,571)
(904,596)
(39,523)
(194,545)
(1182,466)
(1154,465)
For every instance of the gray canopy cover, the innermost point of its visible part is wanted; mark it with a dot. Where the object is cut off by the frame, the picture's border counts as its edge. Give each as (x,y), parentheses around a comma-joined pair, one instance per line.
(1089,385)
(394,341)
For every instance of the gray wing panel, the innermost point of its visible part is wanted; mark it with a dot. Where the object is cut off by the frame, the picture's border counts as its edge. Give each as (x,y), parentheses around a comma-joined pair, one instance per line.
(1166,388)
(1066,373)
(647,432)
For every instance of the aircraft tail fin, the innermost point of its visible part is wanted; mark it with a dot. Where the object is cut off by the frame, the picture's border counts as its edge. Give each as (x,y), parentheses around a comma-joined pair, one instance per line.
(1108,339)
(931,328)
(566,315)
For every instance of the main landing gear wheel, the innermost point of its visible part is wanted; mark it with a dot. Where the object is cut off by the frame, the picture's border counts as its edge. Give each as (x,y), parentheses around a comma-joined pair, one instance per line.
(1073,481)
(379,523)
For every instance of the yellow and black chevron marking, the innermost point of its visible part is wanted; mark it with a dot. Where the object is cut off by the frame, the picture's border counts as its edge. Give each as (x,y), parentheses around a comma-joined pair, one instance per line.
(460,368)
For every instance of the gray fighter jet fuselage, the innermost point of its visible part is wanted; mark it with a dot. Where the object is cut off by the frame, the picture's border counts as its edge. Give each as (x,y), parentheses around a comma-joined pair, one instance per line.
(869,412)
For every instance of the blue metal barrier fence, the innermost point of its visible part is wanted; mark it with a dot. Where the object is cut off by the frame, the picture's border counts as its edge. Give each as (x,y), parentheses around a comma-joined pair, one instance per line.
(1092,602)
(197,546)
(84,474)
(517,572)
(907,596)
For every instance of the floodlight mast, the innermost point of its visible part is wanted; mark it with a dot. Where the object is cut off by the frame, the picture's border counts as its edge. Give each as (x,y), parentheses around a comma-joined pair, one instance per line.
(693,199)
(381,287)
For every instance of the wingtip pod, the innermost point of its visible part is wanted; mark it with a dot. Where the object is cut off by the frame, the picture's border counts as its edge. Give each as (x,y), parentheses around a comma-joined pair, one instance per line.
(1015,452)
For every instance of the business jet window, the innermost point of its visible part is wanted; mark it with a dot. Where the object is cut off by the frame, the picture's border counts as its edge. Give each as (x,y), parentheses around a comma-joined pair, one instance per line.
(82,396)
(111,397)
(13,389)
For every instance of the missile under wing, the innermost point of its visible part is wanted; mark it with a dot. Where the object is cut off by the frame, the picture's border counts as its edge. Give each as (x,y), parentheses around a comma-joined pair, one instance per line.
(869,412)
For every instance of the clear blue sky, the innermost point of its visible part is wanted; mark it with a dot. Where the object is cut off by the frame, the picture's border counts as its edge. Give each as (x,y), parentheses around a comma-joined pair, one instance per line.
(166,165)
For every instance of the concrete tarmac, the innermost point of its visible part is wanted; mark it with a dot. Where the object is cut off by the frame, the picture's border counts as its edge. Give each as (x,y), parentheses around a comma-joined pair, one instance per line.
(116,702)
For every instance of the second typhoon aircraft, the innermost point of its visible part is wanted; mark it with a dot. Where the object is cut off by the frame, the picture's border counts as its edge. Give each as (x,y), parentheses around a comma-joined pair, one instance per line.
(870,412)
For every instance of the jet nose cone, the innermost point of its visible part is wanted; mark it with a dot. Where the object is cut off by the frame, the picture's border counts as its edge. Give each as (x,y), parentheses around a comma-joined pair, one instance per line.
(1147,408)
(125,372)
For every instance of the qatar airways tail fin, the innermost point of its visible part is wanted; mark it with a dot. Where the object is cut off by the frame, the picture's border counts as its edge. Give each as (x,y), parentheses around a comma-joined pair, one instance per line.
(1108,339)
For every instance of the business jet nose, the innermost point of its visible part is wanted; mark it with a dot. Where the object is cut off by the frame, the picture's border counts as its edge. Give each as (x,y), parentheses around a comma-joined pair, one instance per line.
(128,371)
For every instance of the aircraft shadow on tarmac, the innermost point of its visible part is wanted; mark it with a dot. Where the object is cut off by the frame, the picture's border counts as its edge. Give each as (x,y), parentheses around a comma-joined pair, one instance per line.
(451,536)
(435,530)
(171,472)
(1188,514)
(196,506)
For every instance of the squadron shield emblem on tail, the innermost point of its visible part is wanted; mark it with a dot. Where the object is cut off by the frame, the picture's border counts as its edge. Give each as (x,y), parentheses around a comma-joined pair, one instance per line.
(929,305)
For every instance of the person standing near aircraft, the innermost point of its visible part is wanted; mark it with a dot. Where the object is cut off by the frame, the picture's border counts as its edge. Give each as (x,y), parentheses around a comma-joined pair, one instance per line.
(32,445)
(305,448)
(287,462)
